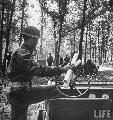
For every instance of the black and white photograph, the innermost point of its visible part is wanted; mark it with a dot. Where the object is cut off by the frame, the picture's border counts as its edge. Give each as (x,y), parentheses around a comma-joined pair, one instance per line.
(56,60)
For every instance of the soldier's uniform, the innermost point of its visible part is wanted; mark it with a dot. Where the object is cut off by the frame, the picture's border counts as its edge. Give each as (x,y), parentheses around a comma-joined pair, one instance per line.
(21,70)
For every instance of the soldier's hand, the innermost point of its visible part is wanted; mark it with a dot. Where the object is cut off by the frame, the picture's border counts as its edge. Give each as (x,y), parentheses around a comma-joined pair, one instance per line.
(68,66)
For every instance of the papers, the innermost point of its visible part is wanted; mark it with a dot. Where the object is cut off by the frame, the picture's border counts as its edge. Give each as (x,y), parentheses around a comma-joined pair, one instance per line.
(69,73)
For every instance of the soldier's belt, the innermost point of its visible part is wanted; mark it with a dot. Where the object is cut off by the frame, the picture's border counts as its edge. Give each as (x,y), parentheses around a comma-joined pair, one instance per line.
(18,84)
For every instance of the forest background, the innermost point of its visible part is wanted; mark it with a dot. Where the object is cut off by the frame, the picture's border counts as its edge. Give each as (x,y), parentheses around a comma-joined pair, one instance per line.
(66,27)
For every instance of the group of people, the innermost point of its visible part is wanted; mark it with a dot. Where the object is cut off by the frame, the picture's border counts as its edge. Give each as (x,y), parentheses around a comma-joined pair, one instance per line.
(86,69)
(23,68)
(62,61)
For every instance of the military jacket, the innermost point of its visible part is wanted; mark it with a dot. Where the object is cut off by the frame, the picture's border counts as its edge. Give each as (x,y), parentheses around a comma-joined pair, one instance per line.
(23,67)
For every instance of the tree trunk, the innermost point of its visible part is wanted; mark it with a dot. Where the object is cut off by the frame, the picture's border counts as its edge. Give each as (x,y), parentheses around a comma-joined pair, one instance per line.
(56,42)
(86,47)
(8,36)
(2,33)
(90,42)
(22,20)
(42,21)
(99,58)
(59,43)
(62,13)
(95,52)
(82,32)
(74,43)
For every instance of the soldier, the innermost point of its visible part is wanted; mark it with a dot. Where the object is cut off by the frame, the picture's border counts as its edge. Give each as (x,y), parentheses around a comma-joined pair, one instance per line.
(61,60)
(50,60)
(8,58)
(21,70)
(90,68)
(66,60)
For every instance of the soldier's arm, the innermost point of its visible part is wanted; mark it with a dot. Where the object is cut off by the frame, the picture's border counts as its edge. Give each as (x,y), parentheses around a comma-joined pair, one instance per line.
(30,66)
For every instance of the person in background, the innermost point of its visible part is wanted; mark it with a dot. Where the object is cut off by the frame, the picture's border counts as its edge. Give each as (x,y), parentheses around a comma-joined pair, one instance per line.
(21,71)
(8,58)
(66,60)
(50,60)
(61,60)
(90,68)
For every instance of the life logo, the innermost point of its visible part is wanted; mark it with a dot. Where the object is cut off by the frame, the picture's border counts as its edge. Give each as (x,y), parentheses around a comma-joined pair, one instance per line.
(102,114)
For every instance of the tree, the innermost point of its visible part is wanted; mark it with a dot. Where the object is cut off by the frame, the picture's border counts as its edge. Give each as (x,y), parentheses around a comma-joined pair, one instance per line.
(9,27)
(1,31)
(22,19)
(5,24)
(8,36)
(82,31)
(58,19)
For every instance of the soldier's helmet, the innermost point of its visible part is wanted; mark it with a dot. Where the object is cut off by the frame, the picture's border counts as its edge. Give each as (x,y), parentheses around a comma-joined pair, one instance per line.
(31,31)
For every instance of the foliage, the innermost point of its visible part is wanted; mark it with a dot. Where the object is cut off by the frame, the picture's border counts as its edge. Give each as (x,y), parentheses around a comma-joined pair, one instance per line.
(58,16)
(10,29)
(95,12)
(4,105)
(61,23)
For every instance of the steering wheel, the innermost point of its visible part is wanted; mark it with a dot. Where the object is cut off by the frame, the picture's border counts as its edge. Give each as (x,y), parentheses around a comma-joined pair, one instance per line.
(72,86)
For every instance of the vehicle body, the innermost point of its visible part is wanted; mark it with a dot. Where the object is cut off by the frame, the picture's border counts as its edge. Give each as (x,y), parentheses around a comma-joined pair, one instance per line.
(86,100)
